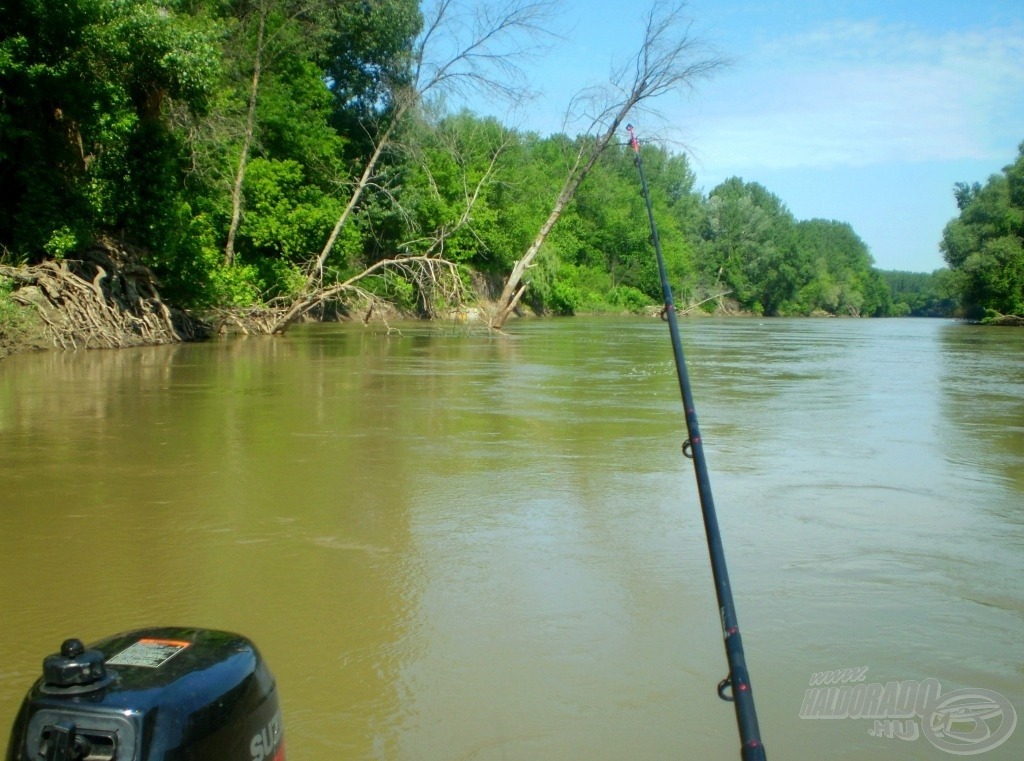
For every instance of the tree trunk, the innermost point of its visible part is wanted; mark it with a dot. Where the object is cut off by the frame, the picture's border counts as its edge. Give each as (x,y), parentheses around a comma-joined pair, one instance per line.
(661,64)
(316,268)
(250,129)
(514,286)
(309,296)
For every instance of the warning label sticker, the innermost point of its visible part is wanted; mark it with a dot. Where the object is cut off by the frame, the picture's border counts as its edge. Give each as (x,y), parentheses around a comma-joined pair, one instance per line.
(148,653)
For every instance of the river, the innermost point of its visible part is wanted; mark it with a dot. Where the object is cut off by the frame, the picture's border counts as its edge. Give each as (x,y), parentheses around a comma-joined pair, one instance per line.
(453,545)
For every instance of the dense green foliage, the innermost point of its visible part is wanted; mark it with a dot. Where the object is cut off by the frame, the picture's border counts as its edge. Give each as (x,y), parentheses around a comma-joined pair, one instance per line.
(778,266)
(86,142)
(11,319)
(984,246)
(223,138)
(922,294)
(130,117)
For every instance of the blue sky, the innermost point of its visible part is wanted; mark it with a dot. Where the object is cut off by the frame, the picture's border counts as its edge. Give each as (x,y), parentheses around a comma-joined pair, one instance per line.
(864,112)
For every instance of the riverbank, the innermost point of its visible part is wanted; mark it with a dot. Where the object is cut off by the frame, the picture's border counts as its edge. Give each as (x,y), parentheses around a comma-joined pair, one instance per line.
(104,298)
(107,299)
(29,325)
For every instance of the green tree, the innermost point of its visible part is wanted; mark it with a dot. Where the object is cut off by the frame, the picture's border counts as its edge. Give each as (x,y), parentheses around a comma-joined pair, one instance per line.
(370,60)
(614,236)
(984,245)
(275,116)
(86,145)
(839,277)
(267,31)
(922,294)
(748,244)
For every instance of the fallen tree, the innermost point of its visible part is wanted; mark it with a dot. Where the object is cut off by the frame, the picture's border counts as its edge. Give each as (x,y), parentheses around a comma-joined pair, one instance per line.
(463,48)
(1006,320)
(669,58)
(435,281)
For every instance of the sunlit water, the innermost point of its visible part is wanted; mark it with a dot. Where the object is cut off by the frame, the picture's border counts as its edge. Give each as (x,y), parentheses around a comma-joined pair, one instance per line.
(454,545)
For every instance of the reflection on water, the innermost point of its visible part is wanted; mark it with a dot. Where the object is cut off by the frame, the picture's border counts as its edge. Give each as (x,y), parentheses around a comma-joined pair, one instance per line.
(983,381)
(451,544)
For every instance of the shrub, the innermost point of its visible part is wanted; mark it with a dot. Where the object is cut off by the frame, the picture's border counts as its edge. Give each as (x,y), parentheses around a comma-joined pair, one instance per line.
(563,299)
(14,322)
(629,298)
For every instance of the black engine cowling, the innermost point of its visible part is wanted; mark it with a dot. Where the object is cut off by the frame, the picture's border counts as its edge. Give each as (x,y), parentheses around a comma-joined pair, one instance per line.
(163,694)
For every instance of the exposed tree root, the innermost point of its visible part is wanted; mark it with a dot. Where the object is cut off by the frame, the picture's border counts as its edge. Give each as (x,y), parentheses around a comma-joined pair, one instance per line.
(103,299)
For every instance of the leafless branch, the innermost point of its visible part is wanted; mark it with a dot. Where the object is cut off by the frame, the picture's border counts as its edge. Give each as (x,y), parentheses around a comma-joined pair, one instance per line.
(478,46)
(434,279)
(462,48)
(669,58)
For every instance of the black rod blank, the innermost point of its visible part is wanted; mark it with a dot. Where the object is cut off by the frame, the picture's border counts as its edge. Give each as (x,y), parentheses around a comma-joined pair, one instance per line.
(735,687)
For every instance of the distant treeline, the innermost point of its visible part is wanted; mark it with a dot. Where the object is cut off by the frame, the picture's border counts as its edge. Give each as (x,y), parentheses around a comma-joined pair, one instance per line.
(919,294)
(222,140)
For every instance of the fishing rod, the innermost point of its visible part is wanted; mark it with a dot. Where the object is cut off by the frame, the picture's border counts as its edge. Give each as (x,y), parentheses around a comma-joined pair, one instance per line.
(735,688)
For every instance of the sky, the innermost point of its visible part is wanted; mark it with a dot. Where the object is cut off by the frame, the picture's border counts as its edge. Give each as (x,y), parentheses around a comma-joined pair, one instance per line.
(863,112)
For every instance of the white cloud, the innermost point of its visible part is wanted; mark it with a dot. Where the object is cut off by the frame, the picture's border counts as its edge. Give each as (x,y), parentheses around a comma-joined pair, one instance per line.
(860,93)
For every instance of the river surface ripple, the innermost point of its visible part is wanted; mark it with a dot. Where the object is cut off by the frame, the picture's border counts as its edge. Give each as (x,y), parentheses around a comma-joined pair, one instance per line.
(452,544)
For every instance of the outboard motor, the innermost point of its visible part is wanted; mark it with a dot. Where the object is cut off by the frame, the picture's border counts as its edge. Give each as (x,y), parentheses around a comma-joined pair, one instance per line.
(165,694)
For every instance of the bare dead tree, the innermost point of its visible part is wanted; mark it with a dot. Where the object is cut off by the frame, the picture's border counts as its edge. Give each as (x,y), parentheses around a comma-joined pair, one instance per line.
(250,130)
(435,278)
(267,48)
(462,49)
(669,58)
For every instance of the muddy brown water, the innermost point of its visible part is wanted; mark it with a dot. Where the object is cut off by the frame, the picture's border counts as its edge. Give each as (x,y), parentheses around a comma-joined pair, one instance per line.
(455,545)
